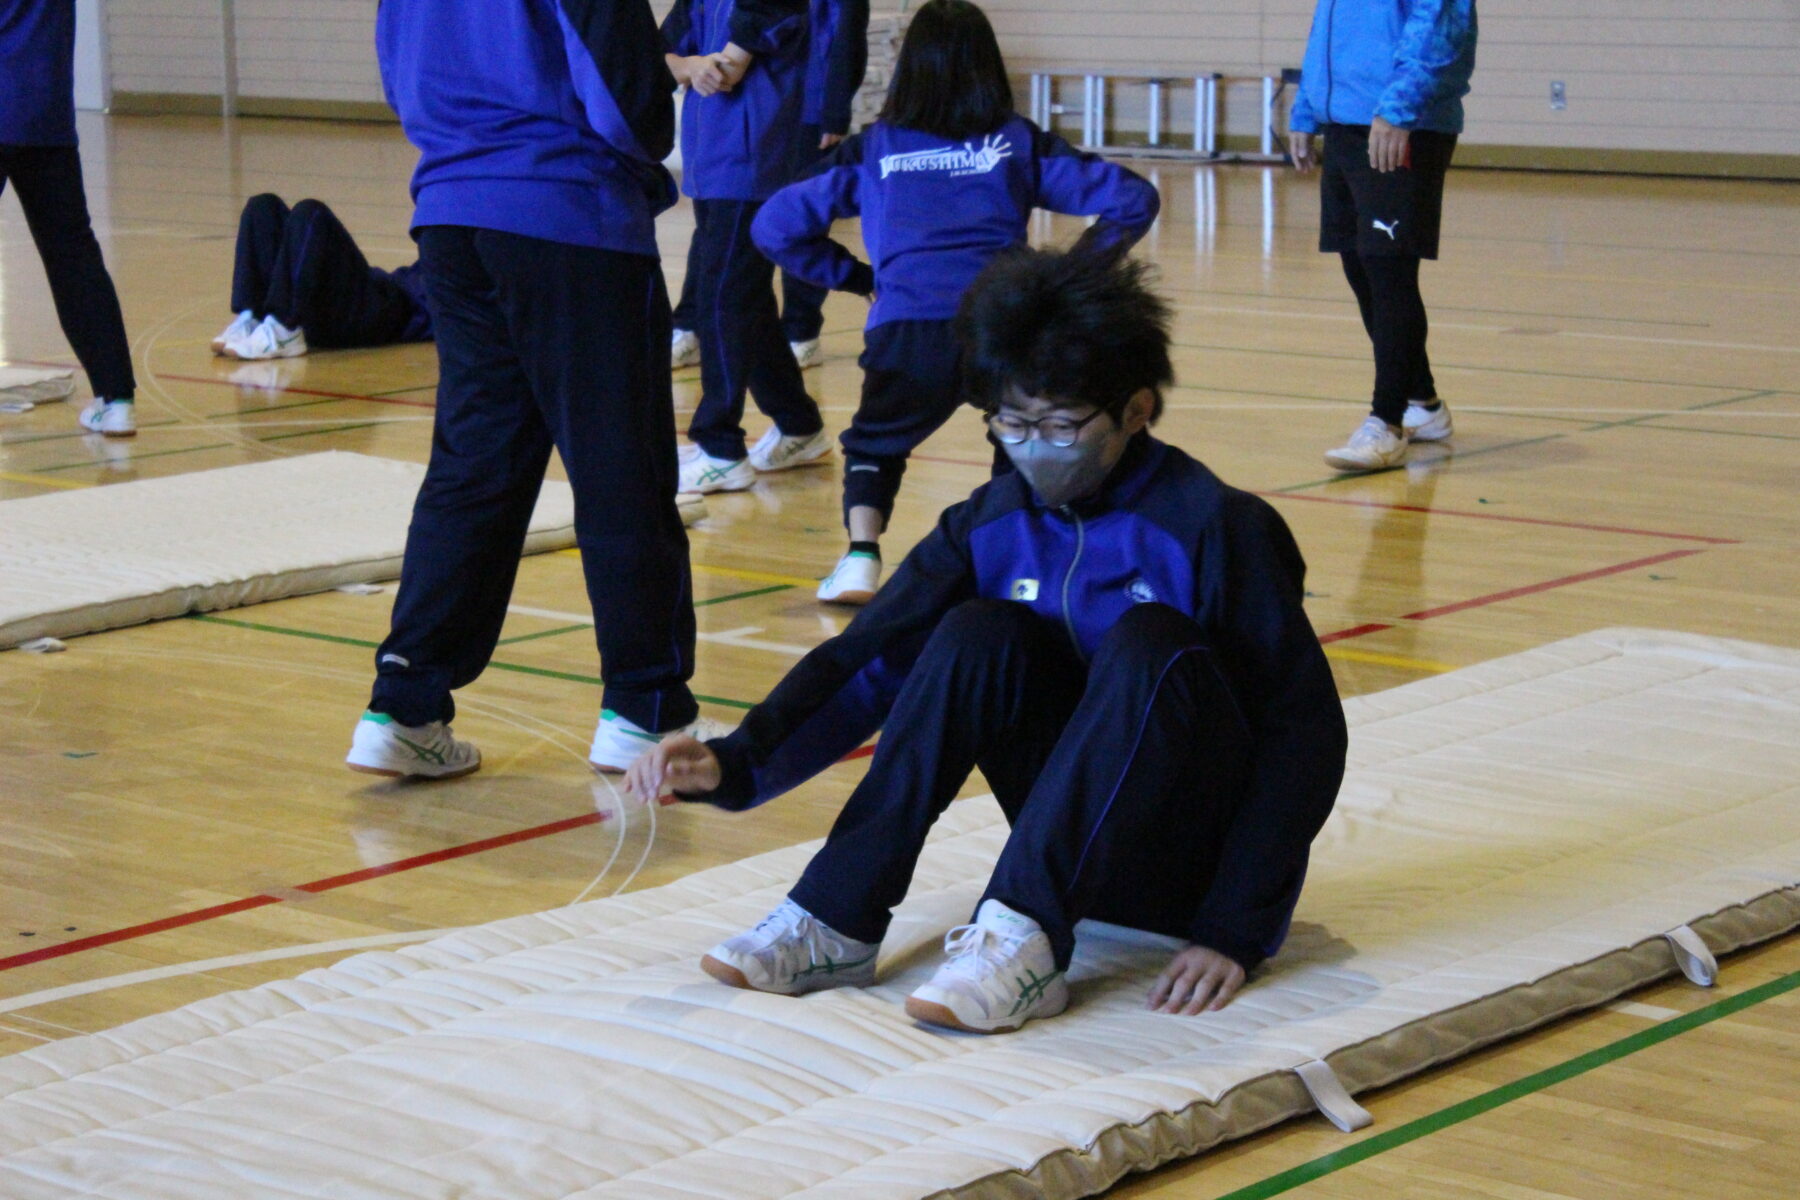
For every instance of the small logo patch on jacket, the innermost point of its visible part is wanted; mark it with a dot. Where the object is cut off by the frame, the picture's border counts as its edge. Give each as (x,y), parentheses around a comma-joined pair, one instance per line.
(1025,590)
(1140,590)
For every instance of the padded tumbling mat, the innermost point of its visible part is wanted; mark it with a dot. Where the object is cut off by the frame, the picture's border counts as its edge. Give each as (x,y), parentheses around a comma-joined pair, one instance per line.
(1516,841)
(81,561)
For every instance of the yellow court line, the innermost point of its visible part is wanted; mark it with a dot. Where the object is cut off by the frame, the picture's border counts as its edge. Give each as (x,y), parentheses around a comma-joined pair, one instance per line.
(41,480)
(733,573)
(1388,660)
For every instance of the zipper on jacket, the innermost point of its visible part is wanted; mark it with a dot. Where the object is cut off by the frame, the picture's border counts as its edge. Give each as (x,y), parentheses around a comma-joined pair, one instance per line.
(1069,577)
(1330,16)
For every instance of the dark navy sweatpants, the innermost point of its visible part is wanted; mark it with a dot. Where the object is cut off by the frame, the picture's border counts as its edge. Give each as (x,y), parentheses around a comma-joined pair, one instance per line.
(912,384)
(741,343)
(1119,776)
(543,345)
(302,267)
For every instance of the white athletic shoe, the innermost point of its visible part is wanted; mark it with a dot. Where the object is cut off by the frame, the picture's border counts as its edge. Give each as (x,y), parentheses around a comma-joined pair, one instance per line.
(1373,447)
(691,506)
(1427,424)
(684,349)
(701,472)
(618,742)
(383,746)
(114,418)
(807,353)
(853,581)
(791,953)
(271,339)
(1000,975)
(777,451)
(237,331)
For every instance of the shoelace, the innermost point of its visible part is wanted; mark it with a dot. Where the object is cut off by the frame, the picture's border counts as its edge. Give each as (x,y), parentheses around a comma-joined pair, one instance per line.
(970,948)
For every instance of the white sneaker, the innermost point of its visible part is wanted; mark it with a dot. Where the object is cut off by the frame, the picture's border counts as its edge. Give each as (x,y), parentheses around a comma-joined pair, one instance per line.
(1373,447)
(1427,424)
(853,581)
(684,349)
(237,331)
(1000,975)
(114,418)
(383,746)
(791,953)
(271,339)
(807,353)
(618,742)
(777,451)
(691,506)
(701,472)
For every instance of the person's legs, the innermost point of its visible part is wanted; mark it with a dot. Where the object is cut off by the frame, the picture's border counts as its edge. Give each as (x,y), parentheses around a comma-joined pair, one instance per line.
(607,402)
(992,688)
(910,388)
(259,245)
(324,285)
(740,336)
(489,448)
(48,180)
(802,303)
(1125,818)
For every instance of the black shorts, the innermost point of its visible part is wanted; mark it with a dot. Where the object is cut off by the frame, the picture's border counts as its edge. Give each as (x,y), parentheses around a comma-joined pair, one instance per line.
(1397,213)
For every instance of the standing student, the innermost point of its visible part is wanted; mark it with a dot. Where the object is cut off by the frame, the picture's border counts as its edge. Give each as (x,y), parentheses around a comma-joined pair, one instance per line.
(541,127)
(301,282)
(1113,635)
(744,63)
(38,156)
(1382,84)
(835,65)
(944,182)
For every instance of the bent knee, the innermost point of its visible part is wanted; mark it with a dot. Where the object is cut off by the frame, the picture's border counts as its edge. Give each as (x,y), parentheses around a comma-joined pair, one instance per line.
(1149,634)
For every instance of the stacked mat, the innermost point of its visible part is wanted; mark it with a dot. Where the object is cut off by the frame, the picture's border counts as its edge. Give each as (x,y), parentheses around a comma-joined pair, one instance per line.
(1515,841)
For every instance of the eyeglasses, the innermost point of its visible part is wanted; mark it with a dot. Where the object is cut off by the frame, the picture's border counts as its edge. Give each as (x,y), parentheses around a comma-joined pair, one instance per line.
(1058,431)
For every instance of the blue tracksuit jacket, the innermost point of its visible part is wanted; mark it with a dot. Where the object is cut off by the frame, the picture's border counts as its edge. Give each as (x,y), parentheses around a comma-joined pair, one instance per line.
(547,118)
(1405,61)
(1163,528)
(836,63)
(746,143)
(935,213)
(37,72)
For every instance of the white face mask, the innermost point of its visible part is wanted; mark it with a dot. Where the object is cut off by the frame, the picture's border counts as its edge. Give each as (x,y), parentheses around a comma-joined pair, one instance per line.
(1061,474)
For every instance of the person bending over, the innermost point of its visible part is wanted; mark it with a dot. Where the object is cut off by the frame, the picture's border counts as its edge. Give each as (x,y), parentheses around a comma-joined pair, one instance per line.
(302,283)
(1111,634)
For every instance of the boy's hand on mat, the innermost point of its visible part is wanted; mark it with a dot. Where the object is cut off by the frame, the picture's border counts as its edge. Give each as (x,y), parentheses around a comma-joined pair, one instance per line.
(1300,149)
(1196,980)
(1387,146)
(678,763)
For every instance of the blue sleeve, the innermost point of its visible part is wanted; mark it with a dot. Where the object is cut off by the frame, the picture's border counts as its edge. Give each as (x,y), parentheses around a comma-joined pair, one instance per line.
(616,63)
(1086,185)
(847,64)
(1256,580)
(767,26)
(1301,118)
(1431,62)
(794,227)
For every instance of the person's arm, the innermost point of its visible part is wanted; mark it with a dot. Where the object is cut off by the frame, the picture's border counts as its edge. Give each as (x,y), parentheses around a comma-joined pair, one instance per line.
(846,66)
(615,56)
(1432,60)
(802,726)
(1080,184)
(794,227)
(1297,728)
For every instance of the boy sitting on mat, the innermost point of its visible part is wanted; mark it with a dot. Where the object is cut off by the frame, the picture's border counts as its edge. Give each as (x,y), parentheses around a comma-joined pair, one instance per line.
(1111,634)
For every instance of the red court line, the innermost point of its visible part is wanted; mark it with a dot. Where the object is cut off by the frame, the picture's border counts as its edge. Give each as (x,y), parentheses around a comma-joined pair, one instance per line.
(450,852)
(300,391)
(1534,588)
(97,940)
(1355,631)
(1481,516)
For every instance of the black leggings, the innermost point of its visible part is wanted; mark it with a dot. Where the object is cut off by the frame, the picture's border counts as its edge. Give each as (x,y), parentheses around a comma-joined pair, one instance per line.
(1387,292)
(48,180)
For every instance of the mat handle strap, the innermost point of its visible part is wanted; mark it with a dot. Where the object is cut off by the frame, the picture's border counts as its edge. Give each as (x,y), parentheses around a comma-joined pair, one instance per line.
(1332,1100)
(1692,956)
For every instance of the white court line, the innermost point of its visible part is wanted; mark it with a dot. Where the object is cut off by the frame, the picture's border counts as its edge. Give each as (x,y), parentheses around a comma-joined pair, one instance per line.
(1650,1012)
(109,982)
(742,638)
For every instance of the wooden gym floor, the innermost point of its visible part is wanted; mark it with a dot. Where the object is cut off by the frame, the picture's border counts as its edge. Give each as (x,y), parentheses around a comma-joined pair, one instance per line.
(1621,355)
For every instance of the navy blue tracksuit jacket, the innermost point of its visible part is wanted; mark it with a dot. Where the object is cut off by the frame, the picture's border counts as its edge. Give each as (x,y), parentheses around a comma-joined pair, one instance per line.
(745,143)
(1164,529)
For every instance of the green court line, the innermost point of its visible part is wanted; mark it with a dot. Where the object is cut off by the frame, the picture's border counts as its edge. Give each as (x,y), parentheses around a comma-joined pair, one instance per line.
(1475,1106)
(520,668)
(80,433)
(139,457)
(269,408)
(532,637)
(762,591)
(300,433)
(417,387)
(1742,433)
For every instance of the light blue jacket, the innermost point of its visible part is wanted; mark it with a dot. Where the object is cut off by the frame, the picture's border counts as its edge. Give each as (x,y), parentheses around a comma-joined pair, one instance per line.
(1405,61)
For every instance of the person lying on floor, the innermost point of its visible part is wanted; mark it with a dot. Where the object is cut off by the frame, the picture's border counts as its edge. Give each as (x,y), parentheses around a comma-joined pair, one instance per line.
(301,283)
(1111,634)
